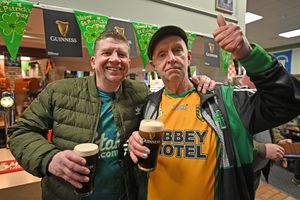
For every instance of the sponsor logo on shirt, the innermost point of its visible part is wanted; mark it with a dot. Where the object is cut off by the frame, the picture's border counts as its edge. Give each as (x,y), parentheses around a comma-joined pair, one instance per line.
(180,107)
(109,147)
(183,144)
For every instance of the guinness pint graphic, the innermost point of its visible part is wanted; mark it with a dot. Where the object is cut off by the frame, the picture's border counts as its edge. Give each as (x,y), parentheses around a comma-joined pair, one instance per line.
(62,34)
(211,52)
(63,27)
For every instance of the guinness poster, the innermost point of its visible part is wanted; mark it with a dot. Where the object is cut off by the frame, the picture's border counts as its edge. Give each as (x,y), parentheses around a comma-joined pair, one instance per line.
(211,52)
(126,29)
(62,34)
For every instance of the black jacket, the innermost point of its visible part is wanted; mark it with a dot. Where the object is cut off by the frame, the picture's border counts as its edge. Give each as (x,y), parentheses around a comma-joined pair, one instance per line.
(243,114)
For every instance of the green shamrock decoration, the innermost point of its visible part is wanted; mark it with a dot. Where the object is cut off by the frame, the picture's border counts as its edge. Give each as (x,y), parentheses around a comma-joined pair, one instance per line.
(145,38)
(91,33)
(91,26)
(143,33)
(11,24)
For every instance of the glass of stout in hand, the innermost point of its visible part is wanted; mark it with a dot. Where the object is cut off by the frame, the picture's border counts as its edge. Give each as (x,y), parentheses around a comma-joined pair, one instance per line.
(151,132)
(89,151)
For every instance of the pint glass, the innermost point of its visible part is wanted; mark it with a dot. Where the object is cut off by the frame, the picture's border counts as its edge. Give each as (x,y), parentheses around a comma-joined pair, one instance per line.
(151,132)
(89,151)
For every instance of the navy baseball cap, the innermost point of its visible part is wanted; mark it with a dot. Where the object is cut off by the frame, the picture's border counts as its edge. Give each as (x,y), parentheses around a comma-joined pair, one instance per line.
(163,32)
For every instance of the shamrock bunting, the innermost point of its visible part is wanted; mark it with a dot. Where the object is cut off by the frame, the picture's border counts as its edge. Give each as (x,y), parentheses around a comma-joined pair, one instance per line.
(14,16)
(143,34)
(191,39)
(91,26)
(226,56)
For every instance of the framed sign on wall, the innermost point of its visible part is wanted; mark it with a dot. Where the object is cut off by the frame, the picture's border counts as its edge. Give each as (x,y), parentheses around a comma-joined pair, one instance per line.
(224,5)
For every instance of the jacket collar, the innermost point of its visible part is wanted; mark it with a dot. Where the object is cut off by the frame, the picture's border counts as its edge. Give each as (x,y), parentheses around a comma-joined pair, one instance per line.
(92,84)
(203,97)
(92,87)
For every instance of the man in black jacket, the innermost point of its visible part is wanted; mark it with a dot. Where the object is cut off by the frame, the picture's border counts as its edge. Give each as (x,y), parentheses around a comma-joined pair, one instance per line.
(207,149)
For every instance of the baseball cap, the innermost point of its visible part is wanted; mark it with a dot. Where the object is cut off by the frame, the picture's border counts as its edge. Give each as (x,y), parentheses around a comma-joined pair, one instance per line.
(163,32)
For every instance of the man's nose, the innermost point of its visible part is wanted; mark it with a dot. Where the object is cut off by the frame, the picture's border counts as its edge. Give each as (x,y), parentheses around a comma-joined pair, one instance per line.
(114,57)
(171,57)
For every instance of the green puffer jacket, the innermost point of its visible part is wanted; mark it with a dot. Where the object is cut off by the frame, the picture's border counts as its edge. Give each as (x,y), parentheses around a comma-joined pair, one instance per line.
(71,109)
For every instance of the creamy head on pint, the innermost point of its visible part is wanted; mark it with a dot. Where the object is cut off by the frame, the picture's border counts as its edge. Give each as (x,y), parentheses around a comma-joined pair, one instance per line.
(149,125)
(89,152)
(86,149)
(151,132)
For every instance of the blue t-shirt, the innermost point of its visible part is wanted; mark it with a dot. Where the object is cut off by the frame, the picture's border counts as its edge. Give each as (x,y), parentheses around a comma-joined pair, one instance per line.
(108,183)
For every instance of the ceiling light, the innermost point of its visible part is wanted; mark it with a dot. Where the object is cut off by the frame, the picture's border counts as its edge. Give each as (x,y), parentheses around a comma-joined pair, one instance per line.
(143,70)
(251,17)
(290,34)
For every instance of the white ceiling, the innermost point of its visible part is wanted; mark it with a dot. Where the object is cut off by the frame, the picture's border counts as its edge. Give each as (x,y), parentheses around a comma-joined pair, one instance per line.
(279,16)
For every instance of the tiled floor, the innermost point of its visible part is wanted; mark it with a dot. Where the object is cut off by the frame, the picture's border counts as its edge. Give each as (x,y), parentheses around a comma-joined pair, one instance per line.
(266,191)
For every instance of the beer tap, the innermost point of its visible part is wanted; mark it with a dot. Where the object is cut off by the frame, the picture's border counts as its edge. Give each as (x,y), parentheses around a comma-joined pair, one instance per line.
(7,103)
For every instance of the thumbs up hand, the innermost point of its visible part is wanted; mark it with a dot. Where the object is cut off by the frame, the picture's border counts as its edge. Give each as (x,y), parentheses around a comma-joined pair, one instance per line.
(231,38)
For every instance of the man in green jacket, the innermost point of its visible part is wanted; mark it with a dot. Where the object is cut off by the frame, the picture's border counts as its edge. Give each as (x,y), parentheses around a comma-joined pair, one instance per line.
(103,109)
(207,149)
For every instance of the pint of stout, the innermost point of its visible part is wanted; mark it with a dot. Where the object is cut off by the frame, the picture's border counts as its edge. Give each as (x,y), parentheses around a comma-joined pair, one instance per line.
(151,132)
(89,151)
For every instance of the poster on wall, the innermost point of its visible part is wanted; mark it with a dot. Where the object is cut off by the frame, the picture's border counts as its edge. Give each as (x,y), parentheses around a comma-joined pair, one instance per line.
(224,5)
(211,52)
(126,29)
(285,58)
(62,34)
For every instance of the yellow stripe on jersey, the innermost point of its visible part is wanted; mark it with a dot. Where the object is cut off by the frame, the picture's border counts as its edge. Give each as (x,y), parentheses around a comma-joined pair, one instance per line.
(187,160)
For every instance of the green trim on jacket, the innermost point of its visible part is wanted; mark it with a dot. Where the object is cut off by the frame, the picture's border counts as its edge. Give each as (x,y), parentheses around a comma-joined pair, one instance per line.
(242,140)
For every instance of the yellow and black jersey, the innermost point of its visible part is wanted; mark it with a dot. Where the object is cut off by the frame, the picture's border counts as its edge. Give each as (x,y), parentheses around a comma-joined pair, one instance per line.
(187,161)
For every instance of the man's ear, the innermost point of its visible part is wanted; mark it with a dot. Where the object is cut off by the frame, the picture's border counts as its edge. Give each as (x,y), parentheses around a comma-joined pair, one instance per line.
(129,61)
(189,57)
(92,61)
(151,63)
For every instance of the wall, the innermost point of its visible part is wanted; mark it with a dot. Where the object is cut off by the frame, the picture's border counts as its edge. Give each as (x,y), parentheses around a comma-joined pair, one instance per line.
(295,65)
(193,15)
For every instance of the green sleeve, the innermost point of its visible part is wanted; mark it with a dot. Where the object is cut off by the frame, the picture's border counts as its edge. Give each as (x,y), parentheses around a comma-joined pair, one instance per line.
(257,61)
(27,136)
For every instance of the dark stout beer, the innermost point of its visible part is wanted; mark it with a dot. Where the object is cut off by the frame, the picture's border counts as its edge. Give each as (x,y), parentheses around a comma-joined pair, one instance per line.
(151,132)
(89,151)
